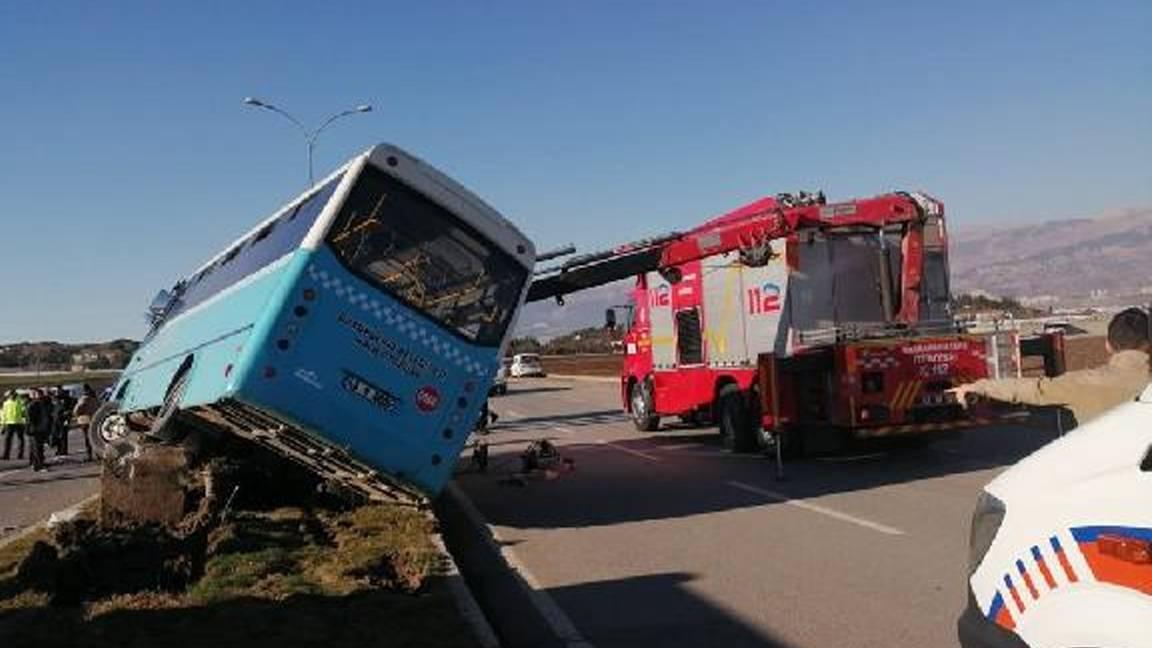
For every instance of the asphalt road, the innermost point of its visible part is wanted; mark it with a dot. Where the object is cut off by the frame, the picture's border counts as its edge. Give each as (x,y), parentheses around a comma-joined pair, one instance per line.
(664,540)
(27,497)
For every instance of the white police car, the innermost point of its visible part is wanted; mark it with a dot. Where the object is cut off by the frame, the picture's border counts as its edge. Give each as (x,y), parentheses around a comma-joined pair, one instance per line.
(1061,546)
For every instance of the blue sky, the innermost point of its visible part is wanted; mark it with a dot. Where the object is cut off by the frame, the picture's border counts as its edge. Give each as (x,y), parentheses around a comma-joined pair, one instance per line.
(128,159)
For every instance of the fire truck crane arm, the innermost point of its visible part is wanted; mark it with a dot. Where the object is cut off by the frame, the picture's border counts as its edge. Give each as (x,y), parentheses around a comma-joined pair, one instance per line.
(746,232)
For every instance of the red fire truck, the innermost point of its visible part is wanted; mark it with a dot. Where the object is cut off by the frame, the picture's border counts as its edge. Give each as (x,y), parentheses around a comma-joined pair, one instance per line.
(797,321)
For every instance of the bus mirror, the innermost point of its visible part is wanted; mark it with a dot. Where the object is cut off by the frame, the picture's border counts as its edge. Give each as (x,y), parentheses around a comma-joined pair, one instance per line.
(610,319)
(159,304)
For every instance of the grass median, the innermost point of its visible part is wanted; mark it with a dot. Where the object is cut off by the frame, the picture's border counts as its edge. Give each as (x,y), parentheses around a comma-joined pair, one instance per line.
(286,576)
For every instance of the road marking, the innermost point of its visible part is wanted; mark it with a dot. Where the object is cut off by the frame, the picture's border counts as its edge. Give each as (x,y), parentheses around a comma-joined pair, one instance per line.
(635,453)
(563,430)
(815,508)
(11,472)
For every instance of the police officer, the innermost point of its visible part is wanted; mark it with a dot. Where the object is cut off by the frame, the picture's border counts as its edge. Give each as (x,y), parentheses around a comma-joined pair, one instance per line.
(13,416)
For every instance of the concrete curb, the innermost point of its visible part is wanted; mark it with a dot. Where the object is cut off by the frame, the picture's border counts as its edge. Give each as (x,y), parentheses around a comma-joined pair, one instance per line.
(465,602)
(33,528)
(524,615)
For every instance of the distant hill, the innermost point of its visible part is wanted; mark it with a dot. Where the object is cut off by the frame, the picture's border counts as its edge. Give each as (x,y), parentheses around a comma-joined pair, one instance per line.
(1058,258)
(59,356)
(545,320)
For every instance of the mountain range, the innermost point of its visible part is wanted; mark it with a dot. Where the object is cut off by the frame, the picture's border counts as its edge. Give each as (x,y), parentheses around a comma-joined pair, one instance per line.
(1062,259)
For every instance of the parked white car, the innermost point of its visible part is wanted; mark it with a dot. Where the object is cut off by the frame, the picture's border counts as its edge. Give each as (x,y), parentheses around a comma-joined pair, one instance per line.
(1061,546)
(527,364)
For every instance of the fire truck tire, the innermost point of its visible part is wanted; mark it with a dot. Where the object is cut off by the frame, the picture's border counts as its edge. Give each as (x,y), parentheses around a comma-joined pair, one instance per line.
(736,429)
(643,412)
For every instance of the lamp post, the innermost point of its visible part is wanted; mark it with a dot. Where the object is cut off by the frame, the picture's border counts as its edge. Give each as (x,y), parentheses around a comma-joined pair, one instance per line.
(309,136)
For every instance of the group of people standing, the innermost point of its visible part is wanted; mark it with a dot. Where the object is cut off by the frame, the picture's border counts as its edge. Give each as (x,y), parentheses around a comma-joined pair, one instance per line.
(43,417)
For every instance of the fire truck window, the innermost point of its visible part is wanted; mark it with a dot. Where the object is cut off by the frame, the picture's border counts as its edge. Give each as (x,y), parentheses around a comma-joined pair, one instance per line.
(689,347)
(810,287)
(856,258)
(895,249)
(934,288)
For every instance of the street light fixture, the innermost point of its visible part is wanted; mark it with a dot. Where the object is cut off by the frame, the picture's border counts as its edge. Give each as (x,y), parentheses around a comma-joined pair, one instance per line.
(309,135)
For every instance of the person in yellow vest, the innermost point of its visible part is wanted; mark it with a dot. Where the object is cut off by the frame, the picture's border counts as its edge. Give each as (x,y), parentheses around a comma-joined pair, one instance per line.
(14,416)
(1087,392)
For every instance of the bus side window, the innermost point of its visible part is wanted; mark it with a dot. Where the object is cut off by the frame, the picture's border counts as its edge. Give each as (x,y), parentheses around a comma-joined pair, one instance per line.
(263,233)
(231,255)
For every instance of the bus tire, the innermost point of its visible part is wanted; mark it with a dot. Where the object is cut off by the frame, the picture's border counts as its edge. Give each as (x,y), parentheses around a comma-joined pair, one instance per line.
(165,427)
(643,415)
(736,432)
(107,428)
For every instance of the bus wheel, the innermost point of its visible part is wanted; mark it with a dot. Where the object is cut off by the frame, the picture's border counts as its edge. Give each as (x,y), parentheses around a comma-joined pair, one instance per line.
(736,431)
(107,427)
(165,426)
(643,416)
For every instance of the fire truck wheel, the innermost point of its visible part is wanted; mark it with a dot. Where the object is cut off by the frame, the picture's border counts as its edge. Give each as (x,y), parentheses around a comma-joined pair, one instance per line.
(643,416)
(736,430)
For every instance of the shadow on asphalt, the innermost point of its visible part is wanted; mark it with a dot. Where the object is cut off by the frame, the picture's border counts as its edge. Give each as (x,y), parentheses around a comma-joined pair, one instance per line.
(670,615)
(610,487)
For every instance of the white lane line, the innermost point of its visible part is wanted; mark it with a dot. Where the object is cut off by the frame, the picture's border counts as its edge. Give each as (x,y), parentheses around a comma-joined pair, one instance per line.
(11,472)
(563,430)
(635,453)
(815,508)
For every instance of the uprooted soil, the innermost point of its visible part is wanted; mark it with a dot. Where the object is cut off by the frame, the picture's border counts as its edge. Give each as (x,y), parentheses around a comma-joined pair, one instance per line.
(264,561)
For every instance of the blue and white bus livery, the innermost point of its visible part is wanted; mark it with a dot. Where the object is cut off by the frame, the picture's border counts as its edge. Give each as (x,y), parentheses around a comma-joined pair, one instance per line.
(356,331)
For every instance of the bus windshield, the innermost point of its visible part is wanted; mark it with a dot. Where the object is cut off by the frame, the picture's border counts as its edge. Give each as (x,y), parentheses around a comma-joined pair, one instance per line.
(419,252)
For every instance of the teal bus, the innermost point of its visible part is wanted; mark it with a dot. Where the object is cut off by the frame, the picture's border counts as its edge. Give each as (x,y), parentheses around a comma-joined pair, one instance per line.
(357,330)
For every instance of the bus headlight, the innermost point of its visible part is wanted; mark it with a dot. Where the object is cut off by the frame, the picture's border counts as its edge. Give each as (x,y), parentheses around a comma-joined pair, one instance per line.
(986,520)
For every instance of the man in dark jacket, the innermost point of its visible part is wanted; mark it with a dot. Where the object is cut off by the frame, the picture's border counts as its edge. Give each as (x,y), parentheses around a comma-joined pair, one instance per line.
(39,427)
(62,404)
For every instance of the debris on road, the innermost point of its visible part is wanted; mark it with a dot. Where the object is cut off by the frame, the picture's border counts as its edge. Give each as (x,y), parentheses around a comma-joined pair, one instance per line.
(540,459)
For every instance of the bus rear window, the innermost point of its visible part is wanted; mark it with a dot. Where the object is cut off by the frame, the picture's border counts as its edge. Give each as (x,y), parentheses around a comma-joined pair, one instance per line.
(421,253)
